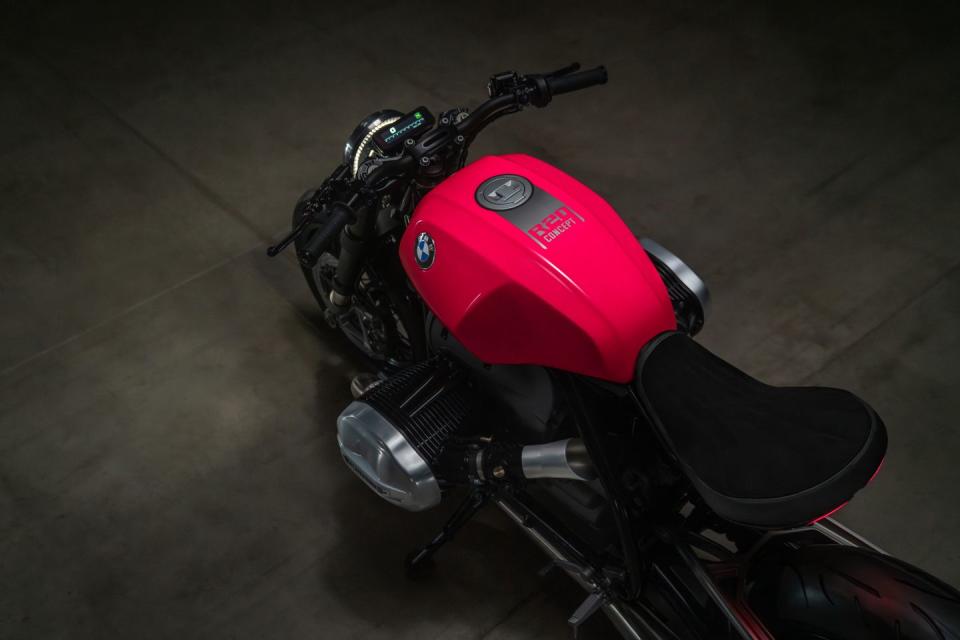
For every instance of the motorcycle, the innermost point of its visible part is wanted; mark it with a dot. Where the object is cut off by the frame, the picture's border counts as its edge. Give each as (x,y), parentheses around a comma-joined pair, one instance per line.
(529,350)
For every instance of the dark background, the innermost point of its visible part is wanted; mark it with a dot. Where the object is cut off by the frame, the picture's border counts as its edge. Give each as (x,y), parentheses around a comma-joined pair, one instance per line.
(168,465)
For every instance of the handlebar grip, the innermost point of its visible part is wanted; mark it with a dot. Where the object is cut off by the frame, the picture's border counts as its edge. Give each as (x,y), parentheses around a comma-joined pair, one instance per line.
(576,81)
(320,241)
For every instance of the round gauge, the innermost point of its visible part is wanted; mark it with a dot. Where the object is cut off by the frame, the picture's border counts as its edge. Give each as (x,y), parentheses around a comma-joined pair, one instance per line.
(360,145)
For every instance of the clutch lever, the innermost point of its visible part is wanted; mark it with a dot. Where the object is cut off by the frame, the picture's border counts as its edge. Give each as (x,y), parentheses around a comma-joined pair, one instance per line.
(336,181)
(313,206)
(275,250)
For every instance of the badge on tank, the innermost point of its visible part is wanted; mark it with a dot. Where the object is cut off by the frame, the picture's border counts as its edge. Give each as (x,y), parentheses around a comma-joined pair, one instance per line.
(424,250)
(531,209)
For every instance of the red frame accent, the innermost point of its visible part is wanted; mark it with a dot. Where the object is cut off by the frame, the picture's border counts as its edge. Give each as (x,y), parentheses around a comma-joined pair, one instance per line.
(831,512)
(846,502)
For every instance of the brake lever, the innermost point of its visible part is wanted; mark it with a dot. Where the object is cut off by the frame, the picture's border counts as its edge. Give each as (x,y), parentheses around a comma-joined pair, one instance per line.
(531,88)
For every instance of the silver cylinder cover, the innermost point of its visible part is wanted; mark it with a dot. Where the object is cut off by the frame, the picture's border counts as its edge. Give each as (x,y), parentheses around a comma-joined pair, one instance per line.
(383,458)
(684,273)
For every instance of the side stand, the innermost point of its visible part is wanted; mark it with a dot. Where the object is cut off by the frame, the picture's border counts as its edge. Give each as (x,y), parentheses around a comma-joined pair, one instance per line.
(418,560)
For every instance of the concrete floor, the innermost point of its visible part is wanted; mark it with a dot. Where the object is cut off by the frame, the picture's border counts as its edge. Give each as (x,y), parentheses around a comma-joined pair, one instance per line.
(168,465)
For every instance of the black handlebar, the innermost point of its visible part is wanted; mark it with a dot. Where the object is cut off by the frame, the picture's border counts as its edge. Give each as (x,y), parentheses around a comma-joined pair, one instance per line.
(484,114)
(575,81)
(509,92)
(319,242)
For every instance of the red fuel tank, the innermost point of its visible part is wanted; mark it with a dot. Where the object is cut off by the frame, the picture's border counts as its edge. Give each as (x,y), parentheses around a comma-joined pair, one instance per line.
(526,265)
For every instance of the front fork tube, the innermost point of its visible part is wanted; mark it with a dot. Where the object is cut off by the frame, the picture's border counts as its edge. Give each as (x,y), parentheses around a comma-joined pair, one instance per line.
(353,250)
(354,242)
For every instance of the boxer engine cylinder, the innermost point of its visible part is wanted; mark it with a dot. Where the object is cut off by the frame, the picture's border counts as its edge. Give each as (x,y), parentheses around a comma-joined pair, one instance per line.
(411,435)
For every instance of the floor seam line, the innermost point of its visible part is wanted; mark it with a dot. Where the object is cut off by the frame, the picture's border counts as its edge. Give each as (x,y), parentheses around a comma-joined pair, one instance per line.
(900,309)
(207,192)
(513,610)
(127,310)
(194,181)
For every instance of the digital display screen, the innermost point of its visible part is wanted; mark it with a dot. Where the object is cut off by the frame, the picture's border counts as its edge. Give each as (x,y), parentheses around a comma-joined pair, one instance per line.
(412,125)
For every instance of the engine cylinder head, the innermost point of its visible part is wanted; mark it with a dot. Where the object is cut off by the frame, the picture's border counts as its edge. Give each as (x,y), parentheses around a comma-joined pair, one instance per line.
(393,435)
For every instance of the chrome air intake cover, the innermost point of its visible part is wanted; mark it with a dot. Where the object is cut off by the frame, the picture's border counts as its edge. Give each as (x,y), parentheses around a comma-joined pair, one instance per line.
(393,435)
(688,293)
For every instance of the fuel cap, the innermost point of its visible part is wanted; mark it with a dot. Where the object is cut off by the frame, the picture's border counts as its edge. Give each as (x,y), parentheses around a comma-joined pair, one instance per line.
(504,192)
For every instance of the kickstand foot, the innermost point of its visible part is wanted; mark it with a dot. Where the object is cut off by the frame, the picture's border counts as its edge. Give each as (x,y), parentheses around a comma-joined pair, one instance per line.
(419,560)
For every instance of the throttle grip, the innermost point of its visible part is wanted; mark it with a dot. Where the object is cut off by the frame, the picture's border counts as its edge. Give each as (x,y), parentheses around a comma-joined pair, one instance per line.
(575,81)
(340,216)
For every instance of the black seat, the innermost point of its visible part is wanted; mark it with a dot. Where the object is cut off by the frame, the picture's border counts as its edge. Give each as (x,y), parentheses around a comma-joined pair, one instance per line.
(758,455)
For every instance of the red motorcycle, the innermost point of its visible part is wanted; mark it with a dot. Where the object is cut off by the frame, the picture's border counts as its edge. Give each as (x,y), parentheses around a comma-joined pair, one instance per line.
(529,349)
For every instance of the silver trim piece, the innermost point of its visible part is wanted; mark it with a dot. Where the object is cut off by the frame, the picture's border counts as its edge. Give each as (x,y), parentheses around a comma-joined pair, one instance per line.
(478,463)
(686,275)
(383,458)
(362,383)
(561,459)
(338,299)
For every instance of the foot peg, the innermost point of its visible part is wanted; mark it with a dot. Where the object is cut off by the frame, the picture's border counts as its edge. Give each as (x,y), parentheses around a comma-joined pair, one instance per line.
(592,604)
(587,608)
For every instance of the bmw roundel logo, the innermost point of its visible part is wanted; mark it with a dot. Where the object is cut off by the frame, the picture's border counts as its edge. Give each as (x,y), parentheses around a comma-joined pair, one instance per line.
(424,251)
